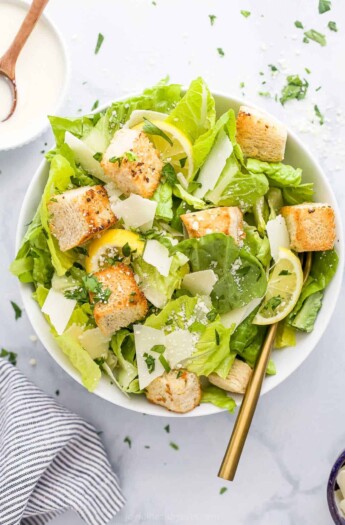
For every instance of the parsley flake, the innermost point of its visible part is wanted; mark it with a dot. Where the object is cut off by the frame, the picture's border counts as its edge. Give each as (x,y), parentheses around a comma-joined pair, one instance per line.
(95,105)
(285,272)
(273,68)
(212,19)
(173,445)
(332,26)
(11,356)
(319,115)
(128,441)
(164,363)
(132,157)
(312,34)
(90,285)
(98,156)
(299,24)
(150,362)
(169,174)
(220,52)
(296,88)
(17,310)
(167,429)
(160,349)
(217,337)
(100,39)
(222,490)
(324,6)
(245,13)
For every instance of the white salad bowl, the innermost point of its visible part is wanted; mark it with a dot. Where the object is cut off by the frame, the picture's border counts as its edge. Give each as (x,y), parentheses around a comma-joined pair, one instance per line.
(287,360)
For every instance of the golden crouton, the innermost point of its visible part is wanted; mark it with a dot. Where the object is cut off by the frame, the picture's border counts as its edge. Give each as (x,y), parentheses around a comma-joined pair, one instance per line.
(132,163)
(79,214)
(228,220)
(126,303)
(260,135)
(236,380)
(311,226)
(177,390)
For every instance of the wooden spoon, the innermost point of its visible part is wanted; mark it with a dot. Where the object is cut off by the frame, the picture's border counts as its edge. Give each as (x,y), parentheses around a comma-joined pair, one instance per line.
(242,424)
(9,59)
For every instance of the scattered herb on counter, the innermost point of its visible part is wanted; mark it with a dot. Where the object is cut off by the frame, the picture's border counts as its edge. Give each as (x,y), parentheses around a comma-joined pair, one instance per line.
(167,429)
(128,440)
(245,13)
(296,88)
(152,129)
(222,490)
(264,94)
(11,356)
(319,115)
(100,39)
(312,34)
(220,52)
(307,70)
(153,2)
(95,105)
(332,26)
(212,19)
(299,24)
(273,68)
(173,445)
(242,85)
(17,310)
(318,88)
(324,6)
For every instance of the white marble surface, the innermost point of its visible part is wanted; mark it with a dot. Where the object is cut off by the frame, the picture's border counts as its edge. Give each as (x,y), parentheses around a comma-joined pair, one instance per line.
(299,428)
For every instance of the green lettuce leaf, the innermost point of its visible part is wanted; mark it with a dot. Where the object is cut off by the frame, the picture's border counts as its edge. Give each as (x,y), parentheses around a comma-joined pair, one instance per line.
(274,201)
(80,359)
(241,277)
(188,198)
(195,113)
(279,175)
(212,352)
(286,335)
(163,197)
(77,126)
(177,314)
(125,368)
(256,245)
(299,194)
(218,397)
(324,266)
(261,214)
(236,186)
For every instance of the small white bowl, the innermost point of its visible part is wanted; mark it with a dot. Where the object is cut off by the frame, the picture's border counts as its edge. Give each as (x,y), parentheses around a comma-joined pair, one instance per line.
(25,134)
(287,360)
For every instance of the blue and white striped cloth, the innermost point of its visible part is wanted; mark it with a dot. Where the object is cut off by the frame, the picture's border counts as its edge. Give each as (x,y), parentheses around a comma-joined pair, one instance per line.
(50,459)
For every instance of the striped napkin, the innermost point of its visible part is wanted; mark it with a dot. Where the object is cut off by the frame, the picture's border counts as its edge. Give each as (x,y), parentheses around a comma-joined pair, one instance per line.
(50,459)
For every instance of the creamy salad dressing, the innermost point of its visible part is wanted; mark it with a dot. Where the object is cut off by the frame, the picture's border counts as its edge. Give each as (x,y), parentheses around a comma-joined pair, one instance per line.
(40,75)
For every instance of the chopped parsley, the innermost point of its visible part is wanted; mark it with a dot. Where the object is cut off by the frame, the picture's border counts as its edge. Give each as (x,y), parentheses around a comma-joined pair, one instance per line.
(296,88)
(174,446)
(100,39)
(312,34)
(299,24)
(152,129)
(183,162)
(245,13)
(116,159)
(264,93)
(179,374)
(11,356)
(131,156)
(220,52)
(95,105)
(318,88)
(285,272)
(160,349)
(319,115)
(307,70)
(273,68)
(332,26)
(324,6)
(222,490)
(217,337)
(17,310)
(150,362)
(98,156)
(273,303)
(169,174)
(167,429)
(90,284)
(212,314)
(164,363)
(128,441)
(212,19)
(242,85)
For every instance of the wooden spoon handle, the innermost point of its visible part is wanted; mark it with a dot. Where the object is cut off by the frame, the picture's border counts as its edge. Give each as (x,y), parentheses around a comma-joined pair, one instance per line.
(9,59)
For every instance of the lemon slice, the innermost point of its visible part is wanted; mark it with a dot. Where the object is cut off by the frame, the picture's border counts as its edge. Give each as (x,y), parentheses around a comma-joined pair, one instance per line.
(283,290)
(107,249)
(179,153)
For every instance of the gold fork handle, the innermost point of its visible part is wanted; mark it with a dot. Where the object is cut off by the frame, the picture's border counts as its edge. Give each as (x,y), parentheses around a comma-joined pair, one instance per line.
(239,434)
(9,59)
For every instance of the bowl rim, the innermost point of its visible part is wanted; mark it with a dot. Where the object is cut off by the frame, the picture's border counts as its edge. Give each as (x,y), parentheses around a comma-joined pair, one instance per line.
(317,333)
(67,74)
(332,505)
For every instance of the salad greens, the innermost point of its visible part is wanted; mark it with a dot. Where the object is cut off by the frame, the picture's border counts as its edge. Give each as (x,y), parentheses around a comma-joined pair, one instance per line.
(203,168)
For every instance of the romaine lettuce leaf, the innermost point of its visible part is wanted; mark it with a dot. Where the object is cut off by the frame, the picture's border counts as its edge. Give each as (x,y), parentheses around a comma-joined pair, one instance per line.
(257,246)
(279,175)
(298,194)
(177,314)
(77,126)
(305,319)
(241,277)
(286,335)
(80,359)
(124,367)
(218,397)
(163,197)
(195,113)
(195,202)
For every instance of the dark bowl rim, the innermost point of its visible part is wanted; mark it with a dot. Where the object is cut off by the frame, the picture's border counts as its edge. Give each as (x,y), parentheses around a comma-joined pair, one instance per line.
(332,480)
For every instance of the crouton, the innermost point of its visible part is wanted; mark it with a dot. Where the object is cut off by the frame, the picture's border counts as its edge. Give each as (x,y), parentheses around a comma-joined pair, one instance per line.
(236,380)
(311,226)
(177,390)
(132,163)
(79,214)
(260,135)
(126,303)
(228,220)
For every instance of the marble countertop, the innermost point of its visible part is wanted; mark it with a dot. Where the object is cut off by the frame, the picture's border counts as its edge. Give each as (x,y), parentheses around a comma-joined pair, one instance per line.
(298,429)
